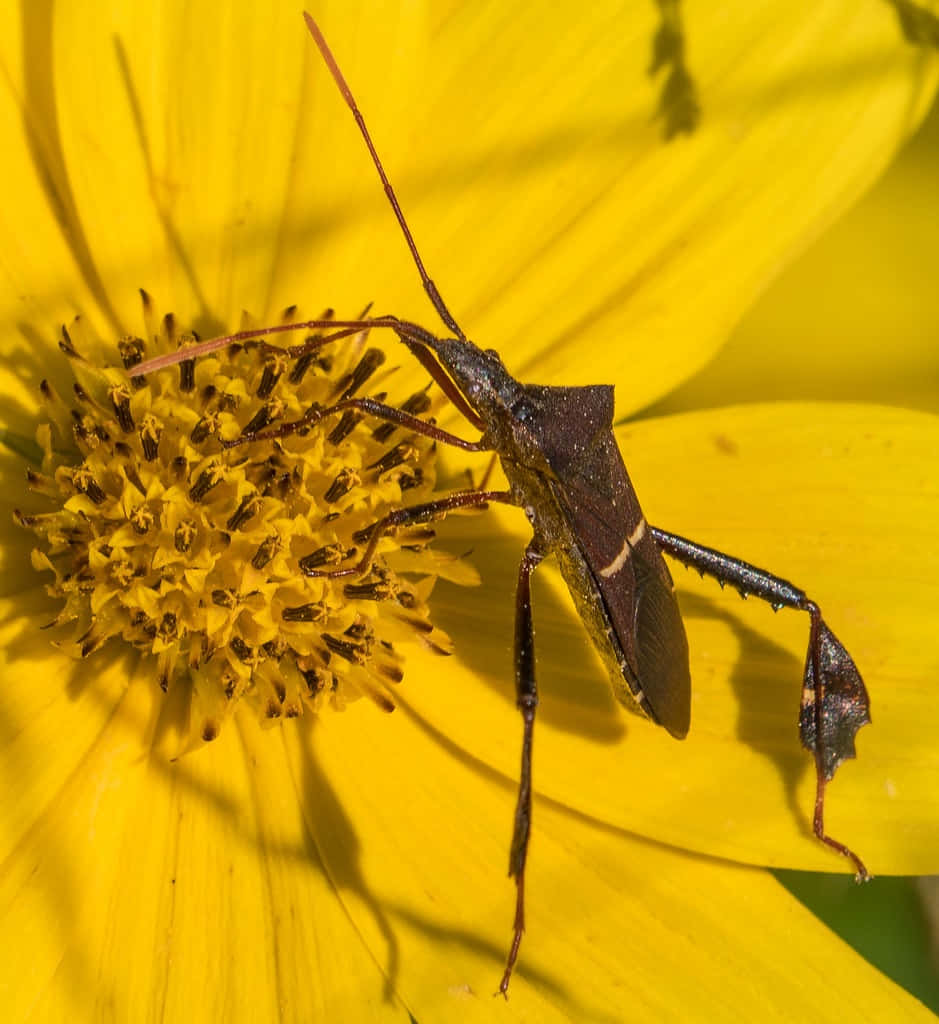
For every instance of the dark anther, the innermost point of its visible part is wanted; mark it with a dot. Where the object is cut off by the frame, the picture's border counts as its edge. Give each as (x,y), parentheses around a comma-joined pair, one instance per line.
(132,352)
(316,680)
(65,344)
(329,554)
(378,590)
(407,481)
(367,365)
(417,404)
(86,483)
(266,551)
(345,480)
(349,651)
(271,374)
(302,364)
(150,432)
(241,650)
(227,402)
(274,649)
(246,510)
(207,425)
(261,419)
(344,427)
(395,457)
(360,536)
(187,375)
(311,612)
(120,399)
(208,479)
(391,672)
(167,628)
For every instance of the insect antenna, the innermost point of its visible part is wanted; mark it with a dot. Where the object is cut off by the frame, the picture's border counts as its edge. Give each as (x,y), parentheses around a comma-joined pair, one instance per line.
(429,286)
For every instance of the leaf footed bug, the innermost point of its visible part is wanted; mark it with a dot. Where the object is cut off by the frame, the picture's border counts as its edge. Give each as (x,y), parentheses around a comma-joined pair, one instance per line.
(564,469)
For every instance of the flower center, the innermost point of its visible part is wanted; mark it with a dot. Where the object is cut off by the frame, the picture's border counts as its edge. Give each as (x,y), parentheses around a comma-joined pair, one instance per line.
(193,513)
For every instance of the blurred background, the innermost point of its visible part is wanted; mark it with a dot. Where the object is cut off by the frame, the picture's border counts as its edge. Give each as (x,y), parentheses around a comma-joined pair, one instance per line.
(865,296)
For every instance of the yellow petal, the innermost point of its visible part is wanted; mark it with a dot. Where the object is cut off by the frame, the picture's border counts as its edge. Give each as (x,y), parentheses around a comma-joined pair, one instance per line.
(132,886)
(840,500)
(617,928)
(364,867)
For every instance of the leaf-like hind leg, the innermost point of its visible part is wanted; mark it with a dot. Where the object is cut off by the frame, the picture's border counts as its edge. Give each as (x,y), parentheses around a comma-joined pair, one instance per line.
(526,698)
(834,699)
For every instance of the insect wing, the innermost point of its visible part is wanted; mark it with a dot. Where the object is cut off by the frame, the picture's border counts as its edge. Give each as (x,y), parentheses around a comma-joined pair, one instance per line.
(620,582)
(635,586)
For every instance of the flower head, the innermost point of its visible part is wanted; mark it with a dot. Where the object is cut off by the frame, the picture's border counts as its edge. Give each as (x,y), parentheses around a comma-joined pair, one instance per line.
(194,516)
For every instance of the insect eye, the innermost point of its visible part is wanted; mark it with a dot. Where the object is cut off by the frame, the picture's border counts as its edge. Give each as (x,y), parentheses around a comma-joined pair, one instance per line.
(522,410)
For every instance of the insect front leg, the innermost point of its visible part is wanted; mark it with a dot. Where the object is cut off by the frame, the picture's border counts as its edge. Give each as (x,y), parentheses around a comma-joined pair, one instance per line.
(526,698)
(834,700)
(372,408)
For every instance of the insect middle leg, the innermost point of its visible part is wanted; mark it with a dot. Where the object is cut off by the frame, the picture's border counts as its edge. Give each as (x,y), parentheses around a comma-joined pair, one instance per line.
(526,698)
(834,700)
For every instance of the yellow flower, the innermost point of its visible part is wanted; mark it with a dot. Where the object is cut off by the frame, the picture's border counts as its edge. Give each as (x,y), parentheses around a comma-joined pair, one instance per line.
(352,865)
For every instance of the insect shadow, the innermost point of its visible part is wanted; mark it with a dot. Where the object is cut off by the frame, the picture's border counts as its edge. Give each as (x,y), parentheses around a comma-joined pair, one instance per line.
(918,24)
(577,694)
(679,109)
(578,698)
(761,679)
(324,815)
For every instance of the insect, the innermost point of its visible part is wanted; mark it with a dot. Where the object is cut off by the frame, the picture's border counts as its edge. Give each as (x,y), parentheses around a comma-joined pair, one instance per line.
(564,469)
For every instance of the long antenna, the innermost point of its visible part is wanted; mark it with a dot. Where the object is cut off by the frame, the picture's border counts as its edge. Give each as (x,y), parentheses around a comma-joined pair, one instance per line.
(429,286)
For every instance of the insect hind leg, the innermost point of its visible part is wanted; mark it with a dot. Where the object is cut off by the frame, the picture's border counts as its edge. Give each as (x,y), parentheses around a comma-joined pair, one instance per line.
(834,699)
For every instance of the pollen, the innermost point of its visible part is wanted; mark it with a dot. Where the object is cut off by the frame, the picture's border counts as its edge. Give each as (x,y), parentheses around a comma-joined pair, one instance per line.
(195,515)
